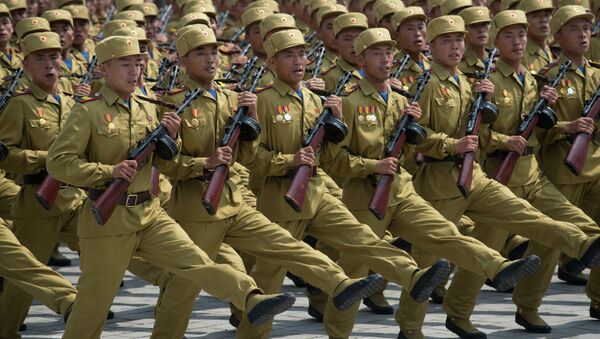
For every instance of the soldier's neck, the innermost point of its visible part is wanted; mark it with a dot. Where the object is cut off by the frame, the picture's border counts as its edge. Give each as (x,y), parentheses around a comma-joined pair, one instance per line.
(514,64)
(5,47)
(539,41)
(64,53)
(50,89)
(207,84)
(414,56)
(479,51)
(380,86)
(577,59)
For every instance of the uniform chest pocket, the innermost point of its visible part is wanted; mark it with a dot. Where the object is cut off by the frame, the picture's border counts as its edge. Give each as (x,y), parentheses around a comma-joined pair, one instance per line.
(445,102)
(108,131)
(43,128)
(194,124)
(504,102)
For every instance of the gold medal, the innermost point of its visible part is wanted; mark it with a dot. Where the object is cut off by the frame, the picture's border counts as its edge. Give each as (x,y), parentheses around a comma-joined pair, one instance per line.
(195,122)
(42,121)
(111,125)
(279,117)
(361,118)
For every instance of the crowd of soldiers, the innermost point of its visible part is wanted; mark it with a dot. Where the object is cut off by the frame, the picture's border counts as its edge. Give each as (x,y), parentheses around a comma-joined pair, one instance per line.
(222,145)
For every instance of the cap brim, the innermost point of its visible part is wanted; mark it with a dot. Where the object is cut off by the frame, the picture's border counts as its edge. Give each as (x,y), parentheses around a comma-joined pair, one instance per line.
(412,17)
(306,45)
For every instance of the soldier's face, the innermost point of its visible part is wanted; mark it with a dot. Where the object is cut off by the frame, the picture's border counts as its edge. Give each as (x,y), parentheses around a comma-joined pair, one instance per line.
(80,31)
(202,63)
(44,67)
(122,74)
(412,35)
(18,15)
(477,34)
(326,33)
(151,26)
(448,49)
(254,38)
(345,44)
(386,23)
(539,23)
(574,36)
(6,29)
(65,31)
(368,11)
(377,61)
(511,43)
(290,65)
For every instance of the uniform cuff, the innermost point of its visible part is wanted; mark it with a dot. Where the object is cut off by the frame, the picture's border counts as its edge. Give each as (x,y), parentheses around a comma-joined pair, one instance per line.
(370,165)
(450,146)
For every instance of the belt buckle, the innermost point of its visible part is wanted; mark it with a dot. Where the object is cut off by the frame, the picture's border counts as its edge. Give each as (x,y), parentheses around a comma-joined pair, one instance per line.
(131,200)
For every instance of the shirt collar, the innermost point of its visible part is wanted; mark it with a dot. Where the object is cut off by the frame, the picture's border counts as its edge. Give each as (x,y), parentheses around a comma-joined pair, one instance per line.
(284,89)
(441,72)
(472,60)
(111,97)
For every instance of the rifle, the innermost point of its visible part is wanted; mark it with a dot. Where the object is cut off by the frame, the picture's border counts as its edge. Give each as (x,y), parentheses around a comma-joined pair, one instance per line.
(109,17)
(401,66)
(173,78)
(234,67)
(596,28)
(165,19)
(406,131)
(158,142)
(318,62)
(481,111)
(327,126)
(310,37)
(87,78)
(4,99)
(237,34)
(540,115)
(245,74)
(165,12)
(221,19)
(575,159)
(243,127)
(314,50)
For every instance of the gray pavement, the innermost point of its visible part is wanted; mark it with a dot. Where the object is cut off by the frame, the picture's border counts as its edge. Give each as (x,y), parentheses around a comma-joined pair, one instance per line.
(565,308)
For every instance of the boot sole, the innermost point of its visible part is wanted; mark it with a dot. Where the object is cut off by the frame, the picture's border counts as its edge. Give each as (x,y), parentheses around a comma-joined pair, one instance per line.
(452,327)
(376,283)
(267,309)
(435,275)
(531,265)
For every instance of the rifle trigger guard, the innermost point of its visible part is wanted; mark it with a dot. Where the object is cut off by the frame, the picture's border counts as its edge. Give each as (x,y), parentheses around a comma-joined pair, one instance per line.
(548,118)
(249,129)
(166,147)
(415,134)
(489,112)
(335,130)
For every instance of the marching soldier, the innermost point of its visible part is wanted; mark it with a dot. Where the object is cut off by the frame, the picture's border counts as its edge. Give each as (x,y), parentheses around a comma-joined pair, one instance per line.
(89,153)
(445,103)
(477,23)
(325,17)
(83,46)
(10,59)
(539,13)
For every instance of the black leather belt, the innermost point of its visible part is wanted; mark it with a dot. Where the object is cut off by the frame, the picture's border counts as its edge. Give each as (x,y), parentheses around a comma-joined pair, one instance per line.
(37,179)
(127,200)
(450,158)
(502,154)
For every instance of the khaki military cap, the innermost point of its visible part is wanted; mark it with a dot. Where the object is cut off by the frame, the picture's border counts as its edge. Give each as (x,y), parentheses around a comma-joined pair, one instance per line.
(371,37)
(529,6)
(78,12)
(363,3)
(117,47)
(584,3)
(63,3)
(566,14)
(40,41)
(331,10)
(385,8)
(507,18)
(112,26)
(57,15)
(187,28)
(270,5)
(349,20)
(136,33)
(406,14)
(206,8)
(148,8)
(276,21)
(193,18)
(508,4)
(31,25)
(13,5)
(431,4)
(475,15)
(4,10)
(450,6)
(129,14)
(253,15)
(283,40)
(122,5)
(317,4)
(444,25)
(195,38)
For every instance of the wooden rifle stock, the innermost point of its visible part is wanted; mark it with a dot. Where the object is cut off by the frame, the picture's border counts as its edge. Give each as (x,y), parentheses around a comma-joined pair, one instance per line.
(575,159)
(47,192)
(103,208)
(526,128)
(381,196)
(212,193)
(296,194)
(155,181)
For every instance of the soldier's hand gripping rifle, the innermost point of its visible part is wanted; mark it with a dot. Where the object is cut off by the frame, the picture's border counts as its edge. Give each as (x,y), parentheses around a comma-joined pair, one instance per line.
(540,115)
(575,159)
(4,99)
(327,127)
(158,142)
(241,127)
(87,78)
(406,131)
(482,111)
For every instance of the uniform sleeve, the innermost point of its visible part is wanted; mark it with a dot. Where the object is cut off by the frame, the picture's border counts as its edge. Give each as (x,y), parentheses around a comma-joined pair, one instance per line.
(438,144)
(12,131)
(346,164)
(67,158)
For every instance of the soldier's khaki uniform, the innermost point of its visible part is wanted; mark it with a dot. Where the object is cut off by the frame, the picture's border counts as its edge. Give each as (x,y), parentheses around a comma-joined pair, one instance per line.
(583,190)
(536,57)
(445,104)
(407,215)
(99,134)
(514,100)
(470,63)
(29,125)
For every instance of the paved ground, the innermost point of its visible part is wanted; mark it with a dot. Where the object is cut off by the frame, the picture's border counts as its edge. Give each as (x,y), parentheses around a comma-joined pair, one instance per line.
(565,308)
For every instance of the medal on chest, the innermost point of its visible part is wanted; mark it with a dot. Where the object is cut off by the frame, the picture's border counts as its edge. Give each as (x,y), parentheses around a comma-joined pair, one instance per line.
(109,120)
(42,120)
(282,116)
(367,114)
(567,88)
(195,120)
